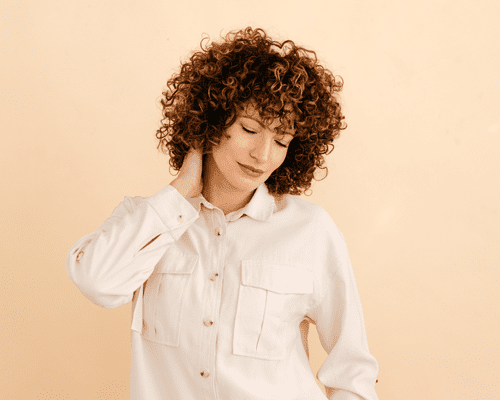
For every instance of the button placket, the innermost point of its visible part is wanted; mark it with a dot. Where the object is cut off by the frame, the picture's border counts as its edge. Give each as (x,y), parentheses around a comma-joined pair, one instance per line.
(208,337)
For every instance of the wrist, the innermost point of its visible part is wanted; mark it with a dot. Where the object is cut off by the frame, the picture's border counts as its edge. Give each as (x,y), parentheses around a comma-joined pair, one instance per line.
(178,185)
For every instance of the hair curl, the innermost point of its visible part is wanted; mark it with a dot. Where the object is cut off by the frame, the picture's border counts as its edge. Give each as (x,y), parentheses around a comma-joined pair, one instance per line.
(283,80)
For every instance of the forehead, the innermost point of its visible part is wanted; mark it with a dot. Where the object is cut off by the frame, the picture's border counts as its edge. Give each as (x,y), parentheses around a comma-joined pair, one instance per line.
(250,111)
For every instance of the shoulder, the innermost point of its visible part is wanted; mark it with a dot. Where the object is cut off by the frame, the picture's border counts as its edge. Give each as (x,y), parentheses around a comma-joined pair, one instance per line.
(127,206)
(310,214)
(306,209)
(292,203)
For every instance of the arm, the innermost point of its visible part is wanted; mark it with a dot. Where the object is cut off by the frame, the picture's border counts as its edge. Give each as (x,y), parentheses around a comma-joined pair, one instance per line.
(350,371)
(109,264)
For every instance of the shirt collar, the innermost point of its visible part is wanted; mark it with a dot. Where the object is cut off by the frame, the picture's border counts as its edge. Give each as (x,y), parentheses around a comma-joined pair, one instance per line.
(261,206)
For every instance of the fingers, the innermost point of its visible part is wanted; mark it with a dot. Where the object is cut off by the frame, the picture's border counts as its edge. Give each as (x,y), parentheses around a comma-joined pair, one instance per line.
(193,162)
(195,154)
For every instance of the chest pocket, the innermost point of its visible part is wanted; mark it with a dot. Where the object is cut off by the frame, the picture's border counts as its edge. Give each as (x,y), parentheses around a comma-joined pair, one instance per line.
(164,294)
(260,324)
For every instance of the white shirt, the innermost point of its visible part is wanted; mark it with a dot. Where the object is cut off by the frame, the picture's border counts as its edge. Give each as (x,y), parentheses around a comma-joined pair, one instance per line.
(221,303)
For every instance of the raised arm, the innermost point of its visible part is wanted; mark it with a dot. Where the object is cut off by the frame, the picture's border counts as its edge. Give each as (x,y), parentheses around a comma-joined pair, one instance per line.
(109,264)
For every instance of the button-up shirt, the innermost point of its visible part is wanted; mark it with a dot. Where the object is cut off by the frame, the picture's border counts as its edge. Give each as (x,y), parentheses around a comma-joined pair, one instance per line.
(221,304)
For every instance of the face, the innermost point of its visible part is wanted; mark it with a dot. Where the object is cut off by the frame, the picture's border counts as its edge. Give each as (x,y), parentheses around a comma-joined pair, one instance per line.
(250,146)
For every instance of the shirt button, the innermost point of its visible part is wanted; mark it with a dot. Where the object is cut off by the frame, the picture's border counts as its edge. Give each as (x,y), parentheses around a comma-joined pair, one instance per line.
(214,276)
(205,373)
(79,256)
(179,218)
(207,322)
(217,231)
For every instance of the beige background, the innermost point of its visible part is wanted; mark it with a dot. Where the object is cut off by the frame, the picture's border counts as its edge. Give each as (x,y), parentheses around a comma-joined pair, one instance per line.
(413,181)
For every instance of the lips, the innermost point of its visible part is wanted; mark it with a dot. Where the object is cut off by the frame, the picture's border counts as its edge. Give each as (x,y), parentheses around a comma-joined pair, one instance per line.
(252,169)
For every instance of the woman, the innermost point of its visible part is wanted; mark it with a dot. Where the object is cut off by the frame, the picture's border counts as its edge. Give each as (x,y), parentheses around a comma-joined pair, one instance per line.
(226,266)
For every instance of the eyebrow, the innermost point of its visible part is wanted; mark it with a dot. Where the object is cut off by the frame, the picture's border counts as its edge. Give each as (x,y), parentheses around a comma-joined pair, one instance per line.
(253,118)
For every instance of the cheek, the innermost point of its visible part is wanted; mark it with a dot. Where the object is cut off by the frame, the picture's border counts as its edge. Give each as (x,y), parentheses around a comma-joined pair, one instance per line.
(225,155)
(280,158)
(222,149)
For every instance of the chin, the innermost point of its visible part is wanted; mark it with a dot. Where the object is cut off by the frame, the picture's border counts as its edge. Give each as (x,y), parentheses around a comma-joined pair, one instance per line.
(238,180)
(246,185)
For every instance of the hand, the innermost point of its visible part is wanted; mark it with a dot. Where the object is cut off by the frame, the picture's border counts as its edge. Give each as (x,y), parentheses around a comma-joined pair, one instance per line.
(189,182)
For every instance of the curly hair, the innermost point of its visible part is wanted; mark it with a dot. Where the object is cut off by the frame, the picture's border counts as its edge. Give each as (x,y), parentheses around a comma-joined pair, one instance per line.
(283,80)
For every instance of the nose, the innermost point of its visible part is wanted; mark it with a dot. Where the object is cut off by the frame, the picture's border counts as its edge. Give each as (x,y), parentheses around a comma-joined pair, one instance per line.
(261,150)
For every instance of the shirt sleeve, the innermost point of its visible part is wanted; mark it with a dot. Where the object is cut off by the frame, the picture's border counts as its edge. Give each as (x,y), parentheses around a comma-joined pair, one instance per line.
(349,371)
(109,264)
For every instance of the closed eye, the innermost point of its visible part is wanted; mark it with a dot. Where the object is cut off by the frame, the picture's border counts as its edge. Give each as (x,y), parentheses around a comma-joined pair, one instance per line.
(253,132)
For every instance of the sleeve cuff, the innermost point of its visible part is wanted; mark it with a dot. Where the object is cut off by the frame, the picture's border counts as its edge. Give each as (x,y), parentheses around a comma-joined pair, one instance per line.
(174,210)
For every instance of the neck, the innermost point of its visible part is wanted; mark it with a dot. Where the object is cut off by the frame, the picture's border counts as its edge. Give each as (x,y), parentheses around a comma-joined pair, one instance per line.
(219,192)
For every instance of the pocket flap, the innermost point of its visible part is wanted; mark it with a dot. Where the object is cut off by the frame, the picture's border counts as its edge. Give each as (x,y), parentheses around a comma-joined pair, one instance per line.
(276,278)
(175,261)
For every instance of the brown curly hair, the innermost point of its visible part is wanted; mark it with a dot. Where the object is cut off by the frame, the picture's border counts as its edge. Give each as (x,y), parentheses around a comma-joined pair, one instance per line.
(283,80)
